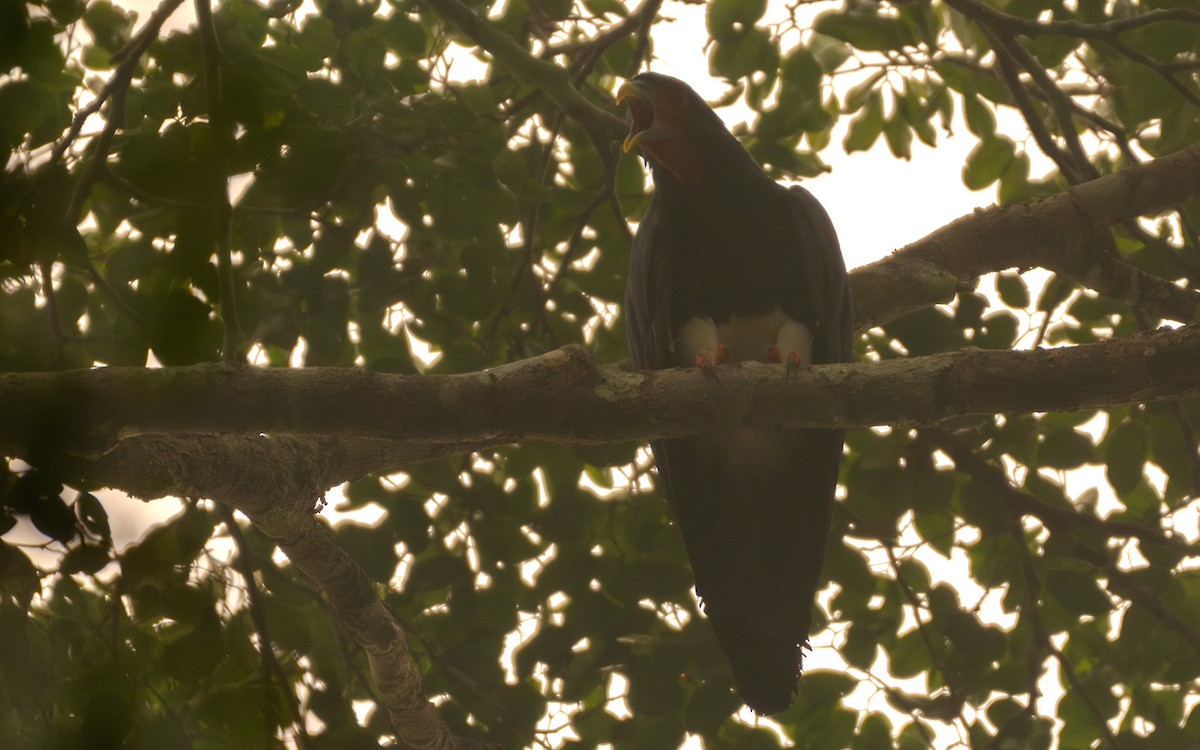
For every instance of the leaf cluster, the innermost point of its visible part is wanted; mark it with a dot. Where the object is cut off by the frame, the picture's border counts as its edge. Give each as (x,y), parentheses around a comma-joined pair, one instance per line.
(393,215)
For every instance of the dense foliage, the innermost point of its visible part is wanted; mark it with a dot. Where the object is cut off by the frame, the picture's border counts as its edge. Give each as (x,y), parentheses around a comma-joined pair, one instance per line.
(387,202)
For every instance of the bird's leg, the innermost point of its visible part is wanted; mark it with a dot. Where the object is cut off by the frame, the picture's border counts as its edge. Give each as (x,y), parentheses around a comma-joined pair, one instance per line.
(794,360)
(698,343)
(793,347)
(709,365)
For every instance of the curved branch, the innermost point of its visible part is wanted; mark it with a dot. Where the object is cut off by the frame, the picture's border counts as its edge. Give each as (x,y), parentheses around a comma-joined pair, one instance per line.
(1052,234)
(126,59)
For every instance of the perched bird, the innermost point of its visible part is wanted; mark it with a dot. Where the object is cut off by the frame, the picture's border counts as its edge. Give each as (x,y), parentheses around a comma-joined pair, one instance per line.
(728,266)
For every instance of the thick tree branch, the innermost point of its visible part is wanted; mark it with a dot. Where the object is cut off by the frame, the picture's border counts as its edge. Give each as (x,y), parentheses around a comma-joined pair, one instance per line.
(565,397)
(352,596)
(1054,234)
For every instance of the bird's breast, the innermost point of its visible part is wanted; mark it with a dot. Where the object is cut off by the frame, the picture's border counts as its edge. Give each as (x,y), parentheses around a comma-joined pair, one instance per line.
(744,337)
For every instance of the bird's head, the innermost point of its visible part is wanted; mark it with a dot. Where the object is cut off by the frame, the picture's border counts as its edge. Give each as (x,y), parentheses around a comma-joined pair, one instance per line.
(680,134)
(663,114)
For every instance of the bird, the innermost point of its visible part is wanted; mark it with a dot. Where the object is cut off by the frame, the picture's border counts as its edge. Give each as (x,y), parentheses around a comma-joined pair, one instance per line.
(729,266)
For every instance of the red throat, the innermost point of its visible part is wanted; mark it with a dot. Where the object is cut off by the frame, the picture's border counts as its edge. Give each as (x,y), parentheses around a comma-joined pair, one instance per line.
(678,157)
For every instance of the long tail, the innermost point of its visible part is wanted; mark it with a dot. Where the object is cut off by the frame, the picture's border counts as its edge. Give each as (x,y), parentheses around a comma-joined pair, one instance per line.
(754,508)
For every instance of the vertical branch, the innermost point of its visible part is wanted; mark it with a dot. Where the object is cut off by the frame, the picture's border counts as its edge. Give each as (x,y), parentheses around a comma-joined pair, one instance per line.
(219,145)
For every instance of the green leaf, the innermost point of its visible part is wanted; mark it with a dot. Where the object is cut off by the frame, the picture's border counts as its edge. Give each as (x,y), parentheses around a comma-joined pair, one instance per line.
(740,55)
(987,162)
(998,330)
(866,126)
(909,657)
(1077,592)
(84,559)
(19,579)
(937,529)
(860,94)
(899,136)
(866,32)
(980,119)
(727,19)
(1012,289)
(1125,448)
(370,548)
(1065,448)
(652,692)
(53,518)
(110,26)
(830,52)
(914,574)
(317,39)
(875,733)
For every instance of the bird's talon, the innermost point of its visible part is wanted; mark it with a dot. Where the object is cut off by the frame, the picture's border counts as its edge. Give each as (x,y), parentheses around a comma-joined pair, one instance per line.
(794,362)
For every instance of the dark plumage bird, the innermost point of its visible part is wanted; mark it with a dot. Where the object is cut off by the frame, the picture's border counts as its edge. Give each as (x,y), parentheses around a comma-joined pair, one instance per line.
(729,266)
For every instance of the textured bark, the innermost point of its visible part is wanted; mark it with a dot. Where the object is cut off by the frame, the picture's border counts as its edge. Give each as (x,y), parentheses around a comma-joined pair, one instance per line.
(322,421)
(1065,234)
(352,597)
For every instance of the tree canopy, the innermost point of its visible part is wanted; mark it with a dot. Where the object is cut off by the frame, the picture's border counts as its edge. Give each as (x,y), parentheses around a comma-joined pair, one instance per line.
(310,253)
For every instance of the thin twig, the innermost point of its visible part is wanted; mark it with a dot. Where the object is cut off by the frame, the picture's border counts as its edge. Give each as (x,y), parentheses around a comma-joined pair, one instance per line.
(126,59)
(220,145)
(1107,33)
(1042,638)
(1052,517)
(1037,127)
(271,671)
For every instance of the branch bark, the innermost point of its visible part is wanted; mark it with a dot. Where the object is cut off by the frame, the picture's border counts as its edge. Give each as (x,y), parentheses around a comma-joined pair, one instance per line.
(565,397)
(1058,234)
(351,595)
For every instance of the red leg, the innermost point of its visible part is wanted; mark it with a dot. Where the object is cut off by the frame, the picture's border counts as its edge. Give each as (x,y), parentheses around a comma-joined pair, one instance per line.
(794,361)
(709,365)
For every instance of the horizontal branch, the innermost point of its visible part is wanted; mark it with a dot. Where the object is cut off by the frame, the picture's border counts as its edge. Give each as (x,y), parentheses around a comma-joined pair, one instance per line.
(565,397)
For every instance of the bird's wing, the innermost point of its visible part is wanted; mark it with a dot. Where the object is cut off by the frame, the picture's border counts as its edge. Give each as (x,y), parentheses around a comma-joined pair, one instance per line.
(753,505)
(647,293)
(824,273)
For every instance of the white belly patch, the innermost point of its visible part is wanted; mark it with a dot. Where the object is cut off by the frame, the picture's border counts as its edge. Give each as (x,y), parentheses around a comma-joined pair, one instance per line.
(744,339)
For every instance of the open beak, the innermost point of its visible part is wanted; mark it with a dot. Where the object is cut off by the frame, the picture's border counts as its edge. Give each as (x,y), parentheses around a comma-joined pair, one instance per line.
(641,113)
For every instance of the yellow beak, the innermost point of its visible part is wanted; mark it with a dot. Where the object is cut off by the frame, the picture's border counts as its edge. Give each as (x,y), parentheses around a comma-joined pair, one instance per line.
(630,91)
